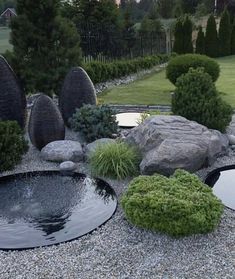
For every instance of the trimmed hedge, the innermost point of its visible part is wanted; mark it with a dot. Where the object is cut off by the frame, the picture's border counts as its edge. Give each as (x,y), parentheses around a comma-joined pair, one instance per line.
(179,206)
(101,71)
(181,64)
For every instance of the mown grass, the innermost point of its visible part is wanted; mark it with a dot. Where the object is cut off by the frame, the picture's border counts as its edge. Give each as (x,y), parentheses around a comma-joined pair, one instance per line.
(155,89)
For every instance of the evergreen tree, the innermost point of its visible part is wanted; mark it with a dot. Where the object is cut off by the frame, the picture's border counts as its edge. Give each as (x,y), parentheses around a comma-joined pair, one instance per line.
(178,33)
(165,8)
(187,35)
(200,42)
(233,40)
(211,39)
(225,34)
(45,45)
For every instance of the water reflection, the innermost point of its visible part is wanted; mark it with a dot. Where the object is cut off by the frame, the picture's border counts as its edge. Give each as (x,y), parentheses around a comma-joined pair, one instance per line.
(51,208)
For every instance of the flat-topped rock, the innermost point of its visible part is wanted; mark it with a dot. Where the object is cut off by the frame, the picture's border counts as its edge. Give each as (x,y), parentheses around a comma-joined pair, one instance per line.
(63,150)
(171,142)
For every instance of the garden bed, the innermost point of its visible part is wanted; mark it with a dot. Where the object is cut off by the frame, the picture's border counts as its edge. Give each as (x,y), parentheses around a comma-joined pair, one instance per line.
(119,250)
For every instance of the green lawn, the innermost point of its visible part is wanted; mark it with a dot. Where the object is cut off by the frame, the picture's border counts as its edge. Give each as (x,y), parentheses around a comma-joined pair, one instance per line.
(155,88)
(4,39)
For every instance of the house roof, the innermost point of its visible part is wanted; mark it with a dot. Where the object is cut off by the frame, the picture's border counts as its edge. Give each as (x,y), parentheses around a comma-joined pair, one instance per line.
(12,10)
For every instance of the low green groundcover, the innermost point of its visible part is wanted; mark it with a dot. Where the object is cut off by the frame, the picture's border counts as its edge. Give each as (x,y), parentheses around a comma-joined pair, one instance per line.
(179,206)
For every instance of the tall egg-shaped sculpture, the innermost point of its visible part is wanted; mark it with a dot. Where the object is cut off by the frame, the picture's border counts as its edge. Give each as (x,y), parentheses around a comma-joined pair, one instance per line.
(12,97)
(77,91)
(46,123)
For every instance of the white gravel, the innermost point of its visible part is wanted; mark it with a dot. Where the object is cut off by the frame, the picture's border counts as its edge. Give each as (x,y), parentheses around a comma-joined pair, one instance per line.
(119,250)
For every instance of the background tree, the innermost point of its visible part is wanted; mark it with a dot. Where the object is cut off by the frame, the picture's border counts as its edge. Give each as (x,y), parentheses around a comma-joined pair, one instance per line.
(189,6)
(211,38)
(225,34)
(200,42)
(187,35)
(45,45)
(165,8)
(178,33)
(233,39)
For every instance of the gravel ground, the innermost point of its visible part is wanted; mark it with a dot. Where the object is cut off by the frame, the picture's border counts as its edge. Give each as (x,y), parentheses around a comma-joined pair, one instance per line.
(119,250)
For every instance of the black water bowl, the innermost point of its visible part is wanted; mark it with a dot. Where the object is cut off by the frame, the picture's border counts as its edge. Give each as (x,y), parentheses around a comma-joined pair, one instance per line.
(222,181)
(45,208)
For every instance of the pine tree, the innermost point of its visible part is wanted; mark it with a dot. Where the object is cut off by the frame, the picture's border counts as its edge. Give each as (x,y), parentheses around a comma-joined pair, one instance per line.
(211,38)
(200,42)
(45,45)
(187,35)
(178,43)
(225,34)
(233,40)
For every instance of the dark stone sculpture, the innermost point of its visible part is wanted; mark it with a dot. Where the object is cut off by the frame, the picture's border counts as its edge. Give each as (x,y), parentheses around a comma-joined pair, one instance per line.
(77,91)
(12,97)
(46,123)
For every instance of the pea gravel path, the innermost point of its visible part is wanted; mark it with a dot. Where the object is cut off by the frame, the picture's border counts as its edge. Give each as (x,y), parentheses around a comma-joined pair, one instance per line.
(119,250)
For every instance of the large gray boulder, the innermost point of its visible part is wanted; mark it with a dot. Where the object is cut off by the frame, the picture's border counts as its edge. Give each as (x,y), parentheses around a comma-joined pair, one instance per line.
(62,150)
(171,142)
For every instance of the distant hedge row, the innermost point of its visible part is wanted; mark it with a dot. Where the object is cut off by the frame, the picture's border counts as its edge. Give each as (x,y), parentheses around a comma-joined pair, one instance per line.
(101,72)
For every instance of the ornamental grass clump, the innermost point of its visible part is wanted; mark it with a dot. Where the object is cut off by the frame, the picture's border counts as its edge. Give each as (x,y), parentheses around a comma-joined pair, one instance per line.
(115,160)
(181,205)
(12,144)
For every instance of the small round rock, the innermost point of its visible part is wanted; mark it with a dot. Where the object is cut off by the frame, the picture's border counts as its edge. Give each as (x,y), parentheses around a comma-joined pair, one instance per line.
(67,166)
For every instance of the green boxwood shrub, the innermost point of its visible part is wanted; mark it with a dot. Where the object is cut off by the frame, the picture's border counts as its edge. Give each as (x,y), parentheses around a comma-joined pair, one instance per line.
(102,71)
(196,98)
(179,206)
(181,64)
(115,160)
(12,144)
(94,122)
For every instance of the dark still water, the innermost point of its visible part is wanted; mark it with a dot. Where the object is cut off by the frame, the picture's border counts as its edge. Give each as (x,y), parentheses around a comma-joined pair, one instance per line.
(223,182)
(45,208)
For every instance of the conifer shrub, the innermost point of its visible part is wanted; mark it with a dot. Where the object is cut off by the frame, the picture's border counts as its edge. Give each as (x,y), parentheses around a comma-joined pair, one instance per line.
(225,34)
(181,64)
(200,42)
(94,122)
(12,144)
(211,38)
(187,32)
(181,205)
(196,98)
(115,160)
(233,40)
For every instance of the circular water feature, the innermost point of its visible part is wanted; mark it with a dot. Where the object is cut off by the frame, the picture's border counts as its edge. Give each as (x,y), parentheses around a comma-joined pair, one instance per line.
(129,119)
(222,181)
(46,208)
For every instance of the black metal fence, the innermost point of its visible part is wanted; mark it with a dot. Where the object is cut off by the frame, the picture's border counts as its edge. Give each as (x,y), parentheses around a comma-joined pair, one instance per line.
(107,46)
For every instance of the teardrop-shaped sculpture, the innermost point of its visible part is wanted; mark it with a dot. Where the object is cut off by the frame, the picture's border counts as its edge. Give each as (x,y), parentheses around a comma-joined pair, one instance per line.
(46,123)
(77,91)
(12,97)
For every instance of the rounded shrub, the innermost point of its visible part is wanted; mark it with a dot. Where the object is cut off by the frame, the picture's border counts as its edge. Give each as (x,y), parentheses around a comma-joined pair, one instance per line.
(94,122)
(12,144)
(181,64)
(115,160)
(196,98)
(179,206)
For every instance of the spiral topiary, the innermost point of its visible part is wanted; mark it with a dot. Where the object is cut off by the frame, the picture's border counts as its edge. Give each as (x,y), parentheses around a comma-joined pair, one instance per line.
(179,206)
(46,123)
(12,97)
(77,90)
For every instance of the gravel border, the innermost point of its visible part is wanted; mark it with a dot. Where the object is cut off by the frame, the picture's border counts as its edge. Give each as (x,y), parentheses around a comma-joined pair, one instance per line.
(119,250)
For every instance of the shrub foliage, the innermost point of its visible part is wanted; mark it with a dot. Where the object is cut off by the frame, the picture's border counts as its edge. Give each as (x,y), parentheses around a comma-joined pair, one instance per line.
(12,144)
(179,206)
(115,160)
(182,63)
(94,122)
(196,98)
(211,39)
